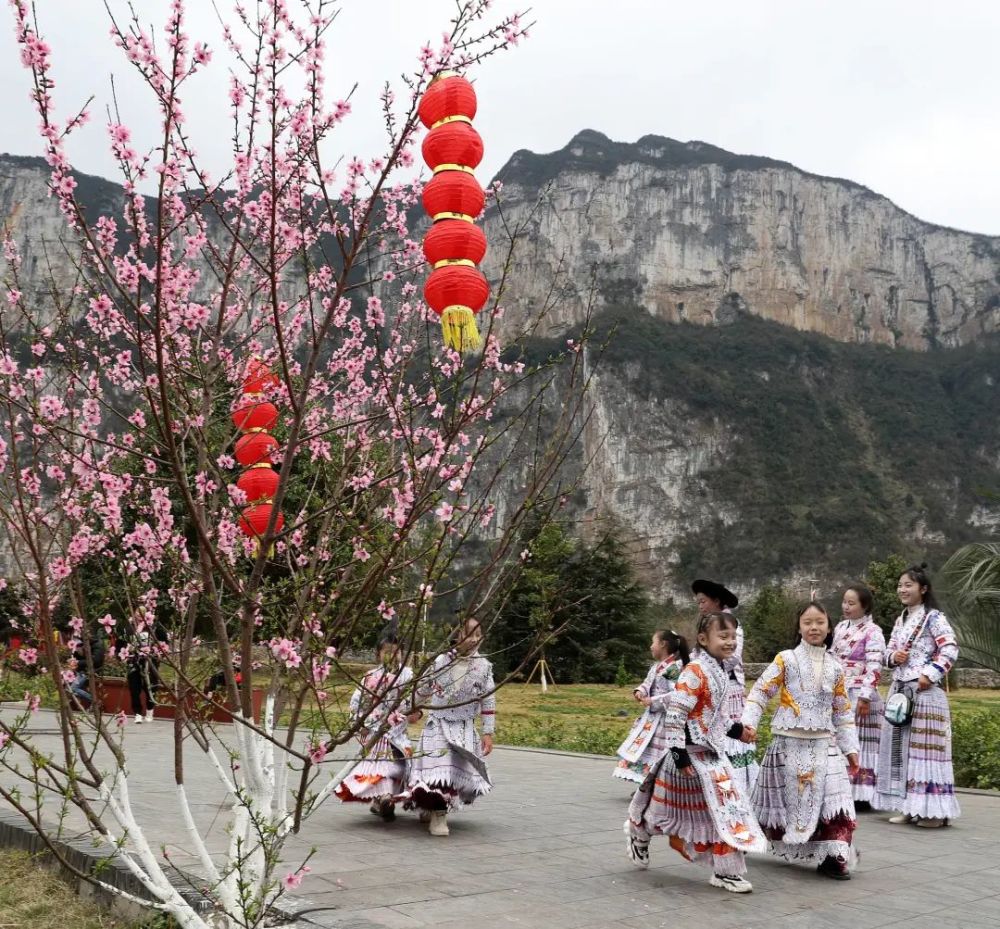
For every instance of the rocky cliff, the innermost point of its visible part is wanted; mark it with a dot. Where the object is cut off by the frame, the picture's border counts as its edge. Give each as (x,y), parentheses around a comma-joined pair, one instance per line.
(694,233)
(799,376)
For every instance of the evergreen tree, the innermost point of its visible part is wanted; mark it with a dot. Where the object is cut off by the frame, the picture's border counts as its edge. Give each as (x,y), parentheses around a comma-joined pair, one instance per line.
(768,620)
(883,577)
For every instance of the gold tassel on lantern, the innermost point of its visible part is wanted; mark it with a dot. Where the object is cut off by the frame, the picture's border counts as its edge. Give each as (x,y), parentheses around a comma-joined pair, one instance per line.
(458,324)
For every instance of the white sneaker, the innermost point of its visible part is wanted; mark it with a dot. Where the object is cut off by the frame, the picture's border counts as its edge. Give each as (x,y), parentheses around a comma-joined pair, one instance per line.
(735,885)
(138,719)
(902,819)
(439,823)
(637,851)
(149,716)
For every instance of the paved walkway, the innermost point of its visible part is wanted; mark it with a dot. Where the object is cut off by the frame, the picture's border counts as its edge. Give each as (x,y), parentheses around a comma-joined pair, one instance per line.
(545,851)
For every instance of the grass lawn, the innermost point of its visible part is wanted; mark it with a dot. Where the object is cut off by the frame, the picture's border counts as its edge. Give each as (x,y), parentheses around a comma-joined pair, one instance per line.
(32,897)
(585,717)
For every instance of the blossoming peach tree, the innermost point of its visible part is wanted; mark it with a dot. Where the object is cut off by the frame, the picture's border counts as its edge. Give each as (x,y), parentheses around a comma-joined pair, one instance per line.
(405,471)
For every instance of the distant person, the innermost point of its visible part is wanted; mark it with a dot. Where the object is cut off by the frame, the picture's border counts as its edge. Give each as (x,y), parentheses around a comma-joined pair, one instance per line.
(915,773)
(693,796)
(859,644)
(448,770)
(646,744)
(98,651)
(803,795)
(143,675)
(711,597)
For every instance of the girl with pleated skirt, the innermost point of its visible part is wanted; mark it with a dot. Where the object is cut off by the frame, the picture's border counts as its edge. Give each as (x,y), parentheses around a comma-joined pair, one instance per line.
(859,645)
(692,794)
(915,773)
(448,770)
(803,794)
(381,702)
(646,743)
(711,596)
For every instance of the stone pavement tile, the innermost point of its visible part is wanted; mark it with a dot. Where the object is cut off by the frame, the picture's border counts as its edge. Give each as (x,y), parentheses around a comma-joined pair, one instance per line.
(472,906)
(375,918)
(385,895)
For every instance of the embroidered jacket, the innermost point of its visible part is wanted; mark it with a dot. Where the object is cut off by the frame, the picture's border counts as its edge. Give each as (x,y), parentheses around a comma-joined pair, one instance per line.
(933,652)
(860,647)
(380,698)
(805,702)
(461,688)
(695,708)
(659,683)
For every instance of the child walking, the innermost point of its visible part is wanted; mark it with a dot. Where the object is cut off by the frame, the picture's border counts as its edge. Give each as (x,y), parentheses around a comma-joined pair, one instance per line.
(859,645)
(380,702)
(711,596)
(915,774)
(692,794)
(448,772)
(646,742)
(803,795)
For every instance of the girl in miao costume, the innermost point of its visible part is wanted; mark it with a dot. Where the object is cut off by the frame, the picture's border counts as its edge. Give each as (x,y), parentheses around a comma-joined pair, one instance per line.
(645,744)
(380,775)
(859,645)
(915,774)
(448,771)
(713,597)
(692,794)
(803,794)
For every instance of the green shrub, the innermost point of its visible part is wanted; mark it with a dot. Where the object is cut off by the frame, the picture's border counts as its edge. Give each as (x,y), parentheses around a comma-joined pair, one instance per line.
(622,677)
(976,749)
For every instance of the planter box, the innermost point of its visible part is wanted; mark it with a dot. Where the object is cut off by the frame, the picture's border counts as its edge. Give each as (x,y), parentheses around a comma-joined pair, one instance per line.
(114,695)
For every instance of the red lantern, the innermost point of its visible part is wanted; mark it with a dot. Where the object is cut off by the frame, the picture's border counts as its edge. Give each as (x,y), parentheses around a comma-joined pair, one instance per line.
(454,144)
(254,520)
(259,378)
(455,193)
(255,448)
(448,95)
(453,240)
(456,285)
(255,415)
(259,483)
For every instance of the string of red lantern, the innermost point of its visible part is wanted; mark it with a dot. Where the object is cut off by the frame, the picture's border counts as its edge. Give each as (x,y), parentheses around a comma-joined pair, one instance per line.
(456,289)
(254,416)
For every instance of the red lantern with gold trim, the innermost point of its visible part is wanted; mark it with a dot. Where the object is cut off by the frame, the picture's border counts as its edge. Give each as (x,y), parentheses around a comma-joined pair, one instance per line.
(255,448)
(454,239)
(254,520)
(259,483)
(453,144)
(255,415)
(453,195)
(456,285)
(259,378)
(449,95)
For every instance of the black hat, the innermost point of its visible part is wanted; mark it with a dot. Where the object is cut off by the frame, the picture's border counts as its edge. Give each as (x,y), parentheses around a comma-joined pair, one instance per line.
(727,599)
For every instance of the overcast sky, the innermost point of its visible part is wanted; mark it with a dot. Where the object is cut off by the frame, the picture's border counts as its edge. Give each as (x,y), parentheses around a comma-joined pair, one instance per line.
(900,96)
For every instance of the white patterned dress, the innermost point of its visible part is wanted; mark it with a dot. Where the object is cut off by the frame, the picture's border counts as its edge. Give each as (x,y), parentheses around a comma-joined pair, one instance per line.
(915,772)
(706,816)
(859,645)
(448,770)
(381,701)
(646,743)
(803,796)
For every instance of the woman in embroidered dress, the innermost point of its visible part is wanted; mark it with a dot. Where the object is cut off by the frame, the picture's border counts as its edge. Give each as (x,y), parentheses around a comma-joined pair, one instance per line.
(803,795)
(692,794)
(381,702)
(645,743)
(448,771)
(915,774)
(713,597)
(859,645)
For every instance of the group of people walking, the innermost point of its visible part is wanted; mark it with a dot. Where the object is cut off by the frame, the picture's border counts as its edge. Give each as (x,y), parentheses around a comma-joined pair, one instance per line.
(835,746)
